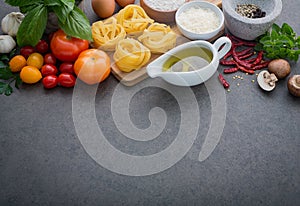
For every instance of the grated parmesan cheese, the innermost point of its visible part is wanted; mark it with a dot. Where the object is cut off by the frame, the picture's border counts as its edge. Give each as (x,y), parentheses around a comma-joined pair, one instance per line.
(161,5)
(199,20)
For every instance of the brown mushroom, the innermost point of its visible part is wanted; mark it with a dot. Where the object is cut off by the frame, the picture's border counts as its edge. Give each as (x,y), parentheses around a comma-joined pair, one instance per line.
(280,67)
(294,85)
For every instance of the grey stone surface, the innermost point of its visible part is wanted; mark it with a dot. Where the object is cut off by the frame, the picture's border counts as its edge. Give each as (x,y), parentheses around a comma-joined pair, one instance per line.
(256,162)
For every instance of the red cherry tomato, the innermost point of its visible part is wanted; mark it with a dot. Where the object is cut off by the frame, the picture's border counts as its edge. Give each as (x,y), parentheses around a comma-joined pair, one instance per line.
(66,67)
(42,46)
(48,69)
(67,48)
(50,81)
(26,51)
(49,59)
(66,80)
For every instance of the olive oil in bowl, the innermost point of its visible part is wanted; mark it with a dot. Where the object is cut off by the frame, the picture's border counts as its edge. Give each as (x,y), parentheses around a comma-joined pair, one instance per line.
(187,60)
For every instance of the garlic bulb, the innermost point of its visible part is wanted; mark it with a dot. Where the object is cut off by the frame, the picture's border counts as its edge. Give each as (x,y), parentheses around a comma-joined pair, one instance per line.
(7,44)
(11,23)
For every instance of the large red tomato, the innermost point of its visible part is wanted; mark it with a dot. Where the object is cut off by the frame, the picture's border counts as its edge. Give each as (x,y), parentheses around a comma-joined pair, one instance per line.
(66,48)
(92,66)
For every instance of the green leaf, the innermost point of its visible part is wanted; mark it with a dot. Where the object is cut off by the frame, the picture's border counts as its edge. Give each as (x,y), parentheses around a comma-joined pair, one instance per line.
(2,65)
(21,3)
(8,90)
(27,8)
(77,25)
(5,88)
(286,29)
(52,2)
(5,73)
(276,28)
(63,10)
(4,58)
(18,81)
(274,34)
(33,26)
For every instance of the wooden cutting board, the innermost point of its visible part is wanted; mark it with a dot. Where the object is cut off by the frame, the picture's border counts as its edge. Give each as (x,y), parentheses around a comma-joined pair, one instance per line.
(136,76)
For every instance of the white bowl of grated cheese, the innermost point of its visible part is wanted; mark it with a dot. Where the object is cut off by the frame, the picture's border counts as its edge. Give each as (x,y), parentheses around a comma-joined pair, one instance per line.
(199,20)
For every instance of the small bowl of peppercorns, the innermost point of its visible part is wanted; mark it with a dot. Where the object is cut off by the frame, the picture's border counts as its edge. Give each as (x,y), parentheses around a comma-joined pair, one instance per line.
(248,19)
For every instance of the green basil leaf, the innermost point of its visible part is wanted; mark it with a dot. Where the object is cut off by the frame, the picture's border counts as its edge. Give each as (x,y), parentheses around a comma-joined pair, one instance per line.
(77,25)
(52,2)
(33,26)
(63,10)
(27,8)
(21,3)
(5,73)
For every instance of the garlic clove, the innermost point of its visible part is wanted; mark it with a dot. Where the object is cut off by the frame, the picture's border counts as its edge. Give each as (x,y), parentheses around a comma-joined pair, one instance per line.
(11,22)
(7,44)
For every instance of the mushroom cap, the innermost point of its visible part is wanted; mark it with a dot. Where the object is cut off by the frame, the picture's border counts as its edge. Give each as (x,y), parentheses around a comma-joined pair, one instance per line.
(293,85)
(262,83)
(280,67)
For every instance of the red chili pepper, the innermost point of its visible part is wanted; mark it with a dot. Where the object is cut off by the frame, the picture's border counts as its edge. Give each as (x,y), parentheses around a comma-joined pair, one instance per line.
(250,60)
(227,62)
(245,56)
(228,54)
(258,58)
(239,61)
(261,65)
(243,69)
(240,41)
(230,70)
(223,81)
(243,52)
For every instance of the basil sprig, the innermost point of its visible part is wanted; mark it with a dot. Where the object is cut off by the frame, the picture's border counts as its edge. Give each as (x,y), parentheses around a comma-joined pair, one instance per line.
(280,42)
(70,19)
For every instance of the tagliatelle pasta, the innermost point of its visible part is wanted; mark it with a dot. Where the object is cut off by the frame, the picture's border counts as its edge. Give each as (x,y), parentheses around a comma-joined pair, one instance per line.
(159,38)
(131,55)
(106,34)
(133,18)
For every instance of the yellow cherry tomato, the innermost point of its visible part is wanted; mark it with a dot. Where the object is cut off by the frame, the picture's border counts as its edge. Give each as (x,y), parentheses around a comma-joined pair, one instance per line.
(36,60)
(30,74)
(17,63)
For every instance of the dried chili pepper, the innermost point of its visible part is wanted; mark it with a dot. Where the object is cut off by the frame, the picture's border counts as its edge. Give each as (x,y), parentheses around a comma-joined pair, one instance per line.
(243,69)
(240,42)
(250,60)
(239,61)
(245,56)
(227,62)
(230,70)
(244,52)
(261,65)
(228,54)
(223,81)
(258,58)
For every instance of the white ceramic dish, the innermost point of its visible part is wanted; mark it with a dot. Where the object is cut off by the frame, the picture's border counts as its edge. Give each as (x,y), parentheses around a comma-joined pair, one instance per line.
(202,4)
(190,78)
